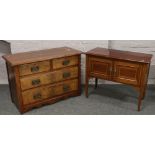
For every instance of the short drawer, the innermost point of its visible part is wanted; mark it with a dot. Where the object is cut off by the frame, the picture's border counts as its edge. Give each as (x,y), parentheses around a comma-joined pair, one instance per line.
(32,68)
(41,93)
(64,62)
(48,78)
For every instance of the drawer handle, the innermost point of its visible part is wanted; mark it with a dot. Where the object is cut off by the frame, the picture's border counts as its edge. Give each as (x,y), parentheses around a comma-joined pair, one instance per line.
(66,74)
(35,82)
(65,62)
(37,96)
(66,88)
(35,69)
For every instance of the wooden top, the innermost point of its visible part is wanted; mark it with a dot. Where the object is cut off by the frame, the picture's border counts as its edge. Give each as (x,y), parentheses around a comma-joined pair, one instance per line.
(41,55)
(122,55)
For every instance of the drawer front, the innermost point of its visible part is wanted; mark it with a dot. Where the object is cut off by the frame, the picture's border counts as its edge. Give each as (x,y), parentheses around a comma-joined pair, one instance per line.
(36,94)
(47,78)
(32,68)
(126,72)
(65,87)
(100,67)
(41,93)
(64,62)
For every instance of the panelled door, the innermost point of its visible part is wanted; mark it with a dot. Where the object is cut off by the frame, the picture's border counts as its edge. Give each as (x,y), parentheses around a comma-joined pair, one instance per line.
(126,72)
(101,68)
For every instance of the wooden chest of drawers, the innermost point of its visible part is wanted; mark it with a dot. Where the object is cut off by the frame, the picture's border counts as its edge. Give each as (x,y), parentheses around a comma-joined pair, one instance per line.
(125,67)
(43,77)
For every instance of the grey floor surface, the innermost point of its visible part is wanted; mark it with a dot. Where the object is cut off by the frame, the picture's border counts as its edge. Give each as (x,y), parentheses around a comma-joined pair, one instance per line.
(105,100)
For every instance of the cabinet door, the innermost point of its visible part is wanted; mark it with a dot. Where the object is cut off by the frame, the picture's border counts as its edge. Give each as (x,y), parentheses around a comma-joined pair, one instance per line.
(101,68)
(127,72)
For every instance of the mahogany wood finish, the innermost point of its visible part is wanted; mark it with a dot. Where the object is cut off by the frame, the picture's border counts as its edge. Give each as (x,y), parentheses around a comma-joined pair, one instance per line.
(125,67)
(43,77)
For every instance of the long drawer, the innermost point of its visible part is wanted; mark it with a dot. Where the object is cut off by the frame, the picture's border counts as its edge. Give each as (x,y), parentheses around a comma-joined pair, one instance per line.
(41,93)
(48,78)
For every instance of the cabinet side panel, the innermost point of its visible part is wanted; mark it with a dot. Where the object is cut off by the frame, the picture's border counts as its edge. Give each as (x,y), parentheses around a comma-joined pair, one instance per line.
(12,84)
(79,74)
(145,73)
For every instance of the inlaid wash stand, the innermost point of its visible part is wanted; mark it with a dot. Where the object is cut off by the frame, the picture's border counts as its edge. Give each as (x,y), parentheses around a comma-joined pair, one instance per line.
(125,67)
(43,77)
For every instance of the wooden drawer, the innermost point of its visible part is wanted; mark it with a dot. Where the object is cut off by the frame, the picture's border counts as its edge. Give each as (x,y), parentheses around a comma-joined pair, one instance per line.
(32,68)
(66,87)
(64,62)
(36,94)
(51,77)
(41,93)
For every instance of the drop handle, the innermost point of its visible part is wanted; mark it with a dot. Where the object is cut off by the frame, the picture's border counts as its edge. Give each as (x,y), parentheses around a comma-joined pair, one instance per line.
(66,62)
(37,96)
(66,74)
(36,82)
(34,68)
(66,88)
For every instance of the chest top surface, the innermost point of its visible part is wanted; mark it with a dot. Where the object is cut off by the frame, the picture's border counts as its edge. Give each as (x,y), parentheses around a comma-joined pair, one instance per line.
(122,55)
(41,55)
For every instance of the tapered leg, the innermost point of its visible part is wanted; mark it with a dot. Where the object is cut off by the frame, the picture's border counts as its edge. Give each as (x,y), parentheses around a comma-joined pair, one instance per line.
(144,92)
(96,82)
(140,100)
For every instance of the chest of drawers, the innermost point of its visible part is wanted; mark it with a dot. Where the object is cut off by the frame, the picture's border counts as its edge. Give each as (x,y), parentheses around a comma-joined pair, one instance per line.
(125,67)
(43,77)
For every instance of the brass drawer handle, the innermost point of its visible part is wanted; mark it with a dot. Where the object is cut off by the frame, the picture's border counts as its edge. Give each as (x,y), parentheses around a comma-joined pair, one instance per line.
(66,88)
(36,82)
(34,68)
(66,62)
(66,74)
(37,96)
